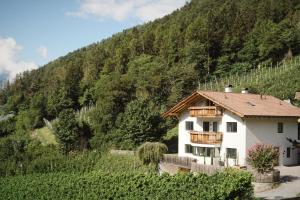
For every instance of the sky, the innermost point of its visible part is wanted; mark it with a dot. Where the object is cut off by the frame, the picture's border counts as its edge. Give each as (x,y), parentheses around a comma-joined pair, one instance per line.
(34,32)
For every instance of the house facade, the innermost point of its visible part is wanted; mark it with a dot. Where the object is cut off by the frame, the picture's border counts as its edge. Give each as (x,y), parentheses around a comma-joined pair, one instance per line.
(219,127)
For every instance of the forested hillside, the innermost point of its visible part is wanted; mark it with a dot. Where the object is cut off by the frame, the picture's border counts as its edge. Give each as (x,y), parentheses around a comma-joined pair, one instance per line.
(135,75)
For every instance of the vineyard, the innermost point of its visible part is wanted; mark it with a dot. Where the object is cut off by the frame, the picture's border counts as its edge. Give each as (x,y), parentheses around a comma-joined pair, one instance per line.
(230,184)
(49,161)
(281,80)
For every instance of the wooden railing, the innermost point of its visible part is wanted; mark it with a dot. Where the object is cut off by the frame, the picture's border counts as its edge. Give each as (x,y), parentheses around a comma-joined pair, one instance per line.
(205,111)
(206,137)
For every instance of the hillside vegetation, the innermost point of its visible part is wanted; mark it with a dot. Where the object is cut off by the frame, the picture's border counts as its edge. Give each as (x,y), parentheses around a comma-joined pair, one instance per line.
(280,80)
(137,74)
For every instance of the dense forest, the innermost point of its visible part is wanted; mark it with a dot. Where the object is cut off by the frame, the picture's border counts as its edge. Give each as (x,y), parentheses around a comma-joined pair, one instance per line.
(129,79)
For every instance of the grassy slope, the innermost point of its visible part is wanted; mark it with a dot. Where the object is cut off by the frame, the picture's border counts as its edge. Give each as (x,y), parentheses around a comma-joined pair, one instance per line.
(281,81)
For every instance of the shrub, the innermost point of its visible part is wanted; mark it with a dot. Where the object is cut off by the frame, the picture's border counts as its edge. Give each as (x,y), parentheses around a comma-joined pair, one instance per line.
(7,126)
(263,157)
(151,152)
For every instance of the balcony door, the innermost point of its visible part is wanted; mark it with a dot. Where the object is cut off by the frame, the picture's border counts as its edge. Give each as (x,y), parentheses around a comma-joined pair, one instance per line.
(207,125)
(215,127)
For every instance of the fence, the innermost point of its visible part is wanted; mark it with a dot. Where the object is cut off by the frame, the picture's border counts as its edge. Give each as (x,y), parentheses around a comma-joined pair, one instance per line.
(207,169)
(186,162)
(176,160)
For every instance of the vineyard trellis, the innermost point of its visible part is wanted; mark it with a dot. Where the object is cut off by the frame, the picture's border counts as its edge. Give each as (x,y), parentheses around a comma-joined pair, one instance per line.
(254,77)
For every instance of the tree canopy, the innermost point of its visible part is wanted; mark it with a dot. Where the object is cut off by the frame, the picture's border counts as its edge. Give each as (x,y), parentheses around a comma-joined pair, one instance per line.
(161,61)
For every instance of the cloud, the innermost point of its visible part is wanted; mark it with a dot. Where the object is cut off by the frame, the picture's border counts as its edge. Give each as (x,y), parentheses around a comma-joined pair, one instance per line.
(9,62)
(120,10)
(43,51)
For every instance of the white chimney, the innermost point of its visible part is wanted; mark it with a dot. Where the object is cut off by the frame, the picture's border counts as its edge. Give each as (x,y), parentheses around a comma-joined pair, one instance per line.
(228,88)
(245,91)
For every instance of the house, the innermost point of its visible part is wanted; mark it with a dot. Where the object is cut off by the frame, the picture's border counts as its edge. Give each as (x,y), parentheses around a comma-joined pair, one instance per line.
(219,127)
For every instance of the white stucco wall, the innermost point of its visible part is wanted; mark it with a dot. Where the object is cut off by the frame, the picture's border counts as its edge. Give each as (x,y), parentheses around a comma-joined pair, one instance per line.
(264,130)
(234,140)
(183,135)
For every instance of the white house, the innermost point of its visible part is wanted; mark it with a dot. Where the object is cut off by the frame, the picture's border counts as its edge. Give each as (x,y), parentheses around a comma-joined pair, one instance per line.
(219,127)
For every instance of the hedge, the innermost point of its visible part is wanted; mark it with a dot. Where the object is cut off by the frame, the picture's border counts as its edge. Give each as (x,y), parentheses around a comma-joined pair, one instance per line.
(230,184)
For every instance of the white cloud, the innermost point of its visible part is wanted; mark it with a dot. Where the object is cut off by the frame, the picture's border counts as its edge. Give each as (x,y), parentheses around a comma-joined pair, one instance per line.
(9,61)
(120,10)
(43,51)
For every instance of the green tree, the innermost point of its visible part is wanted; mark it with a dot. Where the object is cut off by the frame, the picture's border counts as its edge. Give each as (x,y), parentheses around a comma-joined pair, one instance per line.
(67,130)
(141,122)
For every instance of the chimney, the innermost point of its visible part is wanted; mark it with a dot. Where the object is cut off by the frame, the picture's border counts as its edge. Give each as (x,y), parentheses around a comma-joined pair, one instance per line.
(245,91)
(228,89)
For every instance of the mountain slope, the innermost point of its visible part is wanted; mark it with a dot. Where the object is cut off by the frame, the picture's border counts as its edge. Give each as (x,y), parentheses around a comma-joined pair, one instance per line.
(159,62)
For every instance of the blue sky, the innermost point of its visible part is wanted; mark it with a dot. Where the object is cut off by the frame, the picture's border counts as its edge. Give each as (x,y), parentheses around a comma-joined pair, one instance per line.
(34,32)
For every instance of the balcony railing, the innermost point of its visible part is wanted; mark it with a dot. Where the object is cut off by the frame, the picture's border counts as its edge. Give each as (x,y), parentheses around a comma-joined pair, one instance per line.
(205,111)
(206,137)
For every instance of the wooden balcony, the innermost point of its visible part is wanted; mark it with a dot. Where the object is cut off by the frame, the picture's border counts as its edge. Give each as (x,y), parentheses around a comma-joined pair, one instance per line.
(206,137)
(205,111)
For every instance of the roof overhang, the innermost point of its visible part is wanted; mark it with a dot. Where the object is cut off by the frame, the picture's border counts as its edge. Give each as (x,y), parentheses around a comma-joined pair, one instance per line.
(186,102)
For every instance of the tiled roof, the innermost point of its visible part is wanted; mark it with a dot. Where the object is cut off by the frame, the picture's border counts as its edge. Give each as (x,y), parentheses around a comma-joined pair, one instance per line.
(244,105)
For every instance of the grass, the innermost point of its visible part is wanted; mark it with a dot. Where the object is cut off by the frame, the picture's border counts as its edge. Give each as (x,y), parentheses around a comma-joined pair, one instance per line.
(45,136)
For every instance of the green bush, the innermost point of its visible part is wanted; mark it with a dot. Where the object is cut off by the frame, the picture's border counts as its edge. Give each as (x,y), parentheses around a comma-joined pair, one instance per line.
(263,157)
(151,152)
(7,127)
(230,184)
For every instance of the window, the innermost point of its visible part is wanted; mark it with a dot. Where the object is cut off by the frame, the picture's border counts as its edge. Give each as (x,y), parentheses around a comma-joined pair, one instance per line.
(188,148)
(298,131)
(288,152)
(206,126)
(217,152)
(232,127)
(201,151)
(279,127)
(215,126)
(208,152)
(194,150)
(189,126)
(251,104)
(231,153)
